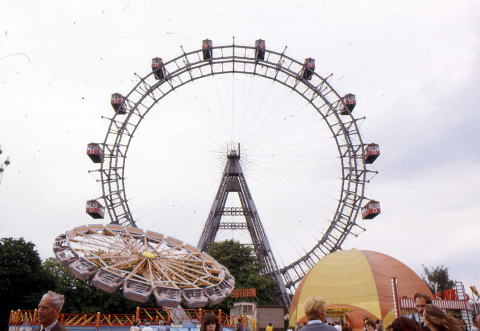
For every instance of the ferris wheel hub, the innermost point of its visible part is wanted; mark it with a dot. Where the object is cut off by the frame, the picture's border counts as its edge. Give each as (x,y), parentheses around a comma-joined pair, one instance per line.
(148,255)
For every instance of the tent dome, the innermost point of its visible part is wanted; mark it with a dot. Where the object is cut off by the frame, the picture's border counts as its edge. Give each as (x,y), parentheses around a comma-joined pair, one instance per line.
(357,281)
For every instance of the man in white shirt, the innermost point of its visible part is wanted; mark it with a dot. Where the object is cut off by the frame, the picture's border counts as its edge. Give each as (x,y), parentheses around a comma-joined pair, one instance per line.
(147,327)
(420,300)
(48,311)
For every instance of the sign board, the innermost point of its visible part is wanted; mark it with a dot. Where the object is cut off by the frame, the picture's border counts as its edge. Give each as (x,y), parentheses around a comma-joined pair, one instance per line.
(244,293)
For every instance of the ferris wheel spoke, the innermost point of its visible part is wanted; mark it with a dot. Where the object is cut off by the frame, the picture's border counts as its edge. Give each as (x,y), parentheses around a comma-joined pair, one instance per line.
(181,266)
(91,241)
(121,262)
(181,263)
(167,250)
(189,272)
(92,247)
(136,271)
(149,270)
(165,274)
(133,243)
(177,274)
(154,246)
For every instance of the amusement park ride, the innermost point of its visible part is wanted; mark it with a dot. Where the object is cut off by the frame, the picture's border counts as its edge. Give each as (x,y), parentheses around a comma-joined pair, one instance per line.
(146,263)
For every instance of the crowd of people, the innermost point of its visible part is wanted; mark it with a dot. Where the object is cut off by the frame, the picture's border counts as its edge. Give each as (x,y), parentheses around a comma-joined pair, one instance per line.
(427,317)
(137,326)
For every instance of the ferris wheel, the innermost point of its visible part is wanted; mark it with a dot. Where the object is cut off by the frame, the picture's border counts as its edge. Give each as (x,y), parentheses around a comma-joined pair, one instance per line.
(336,111)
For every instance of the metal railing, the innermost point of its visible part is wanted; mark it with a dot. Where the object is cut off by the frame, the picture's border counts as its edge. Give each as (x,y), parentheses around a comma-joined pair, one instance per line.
(165,315)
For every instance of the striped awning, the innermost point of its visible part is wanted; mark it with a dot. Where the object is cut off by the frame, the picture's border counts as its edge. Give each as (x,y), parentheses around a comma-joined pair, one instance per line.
(407,303)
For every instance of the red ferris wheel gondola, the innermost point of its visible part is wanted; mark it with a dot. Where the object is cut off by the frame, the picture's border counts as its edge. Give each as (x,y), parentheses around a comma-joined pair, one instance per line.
(95,209)
(372,151)
(349,102)
(371,209)
(118,103)
(260,49)
(207,49)
(95,152)
(308,68)
(158,68)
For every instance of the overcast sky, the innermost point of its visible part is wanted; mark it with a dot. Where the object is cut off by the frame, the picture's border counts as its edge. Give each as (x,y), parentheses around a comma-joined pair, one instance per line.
(414,66)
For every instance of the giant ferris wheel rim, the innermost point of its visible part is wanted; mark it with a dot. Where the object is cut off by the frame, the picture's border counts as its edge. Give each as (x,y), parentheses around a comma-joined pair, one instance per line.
(189,66)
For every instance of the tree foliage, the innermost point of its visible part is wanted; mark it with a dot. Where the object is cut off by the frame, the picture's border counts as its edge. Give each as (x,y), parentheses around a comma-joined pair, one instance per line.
(22,278)
(243,265)
(437,278)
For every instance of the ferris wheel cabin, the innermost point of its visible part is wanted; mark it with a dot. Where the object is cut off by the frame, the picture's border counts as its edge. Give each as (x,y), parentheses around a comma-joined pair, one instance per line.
(136,291)
(371,209)
(194,297)
(372,151)
(260,49)
(348,104)
(106,281)
(114,229)
(66,256)
(118,104)
(82,269)
(167,296)
(308,68)
(158,68)
(214,294)
(207,49)
(95,152)
(227,284)
(95,209)
(62,252)
(227,287)
(60,243)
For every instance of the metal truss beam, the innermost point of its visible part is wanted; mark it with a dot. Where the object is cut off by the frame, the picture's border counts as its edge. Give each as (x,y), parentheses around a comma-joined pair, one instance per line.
(233,226)
(233,181)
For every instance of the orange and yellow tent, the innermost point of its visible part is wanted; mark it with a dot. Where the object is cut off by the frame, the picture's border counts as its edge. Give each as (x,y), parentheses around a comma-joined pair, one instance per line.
(358,283)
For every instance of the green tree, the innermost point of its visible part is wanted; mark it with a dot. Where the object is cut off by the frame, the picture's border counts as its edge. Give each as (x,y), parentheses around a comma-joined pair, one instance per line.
(437,279)
(22,278)
(243,265)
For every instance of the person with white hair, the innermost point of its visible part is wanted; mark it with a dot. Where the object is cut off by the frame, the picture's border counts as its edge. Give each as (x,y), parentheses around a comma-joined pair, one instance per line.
(49,310)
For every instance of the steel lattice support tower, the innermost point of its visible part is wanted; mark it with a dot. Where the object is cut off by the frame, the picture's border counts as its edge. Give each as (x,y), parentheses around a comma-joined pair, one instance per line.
(233,180)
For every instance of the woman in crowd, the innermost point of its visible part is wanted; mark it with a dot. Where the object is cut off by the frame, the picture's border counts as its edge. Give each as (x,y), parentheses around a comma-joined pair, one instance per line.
(404,324)
(369,325)
(210,323)
(436,320)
